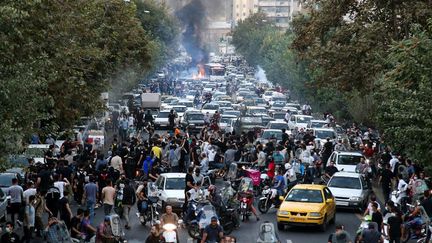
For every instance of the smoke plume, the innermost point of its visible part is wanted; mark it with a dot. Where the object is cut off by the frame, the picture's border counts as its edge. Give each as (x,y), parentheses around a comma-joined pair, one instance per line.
(193,18)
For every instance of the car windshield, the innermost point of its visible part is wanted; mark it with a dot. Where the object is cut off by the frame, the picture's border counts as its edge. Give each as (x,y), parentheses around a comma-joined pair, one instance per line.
(345,182)
(278,125)
(6,179)
(260,101)
(272,135)
(174,184)
(322,134)
(303,119)
(163,114)
(235,113)
(317,124)
(268,93)
(279,104)
(187,104)
(211,107)
(305,195)
(349,159)
(196,117)
(179,109)
(226,120)
(252,121)
(224,104)
(279,116)
(252,111)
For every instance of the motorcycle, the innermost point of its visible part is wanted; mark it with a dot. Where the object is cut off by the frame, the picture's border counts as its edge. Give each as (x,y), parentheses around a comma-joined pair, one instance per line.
(255,175)
(169,233)
(268,199)
(228,212)
(245,197)
(151,214)
(202,220)
(416,226)
(267,234)
(117,228)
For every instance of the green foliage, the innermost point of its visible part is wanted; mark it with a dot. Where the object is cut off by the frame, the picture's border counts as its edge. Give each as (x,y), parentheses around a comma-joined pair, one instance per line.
(405,112)
(56,57)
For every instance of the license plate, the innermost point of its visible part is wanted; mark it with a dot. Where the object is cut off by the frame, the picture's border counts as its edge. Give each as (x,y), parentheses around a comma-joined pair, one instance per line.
(339,203)
(298,219)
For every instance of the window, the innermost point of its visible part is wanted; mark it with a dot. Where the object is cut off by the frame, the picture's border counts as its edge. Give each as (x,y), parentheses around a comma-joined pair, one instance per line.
(327,194)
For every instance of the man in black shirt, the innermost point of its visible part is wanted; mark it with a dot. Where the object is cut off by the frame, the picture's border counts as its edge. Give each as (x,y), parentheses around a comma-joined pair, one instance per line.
(385,180)
(395,225)
(330,170)
(171,119)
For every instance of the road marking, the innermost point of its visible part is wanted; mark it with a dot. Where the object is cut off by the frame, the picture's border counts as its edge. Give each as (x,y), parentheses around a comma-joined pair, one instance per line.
(289,241)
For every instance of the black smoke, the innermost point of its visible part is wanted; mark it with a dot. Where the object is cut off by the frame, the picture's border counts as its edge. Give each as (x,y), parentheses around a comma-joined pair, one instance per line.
(193,18)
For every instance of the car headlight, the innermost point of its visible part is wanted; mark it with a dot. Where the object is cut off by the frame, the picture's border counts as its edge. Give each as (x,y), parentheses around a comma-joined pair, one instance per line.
(355,198)
(315,214)
(283,212)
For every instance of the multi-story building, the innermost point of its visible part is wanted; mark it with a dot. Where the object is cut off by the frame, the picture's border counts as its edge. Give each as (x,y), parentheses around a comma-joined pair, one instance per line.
(242,9)
(279,11)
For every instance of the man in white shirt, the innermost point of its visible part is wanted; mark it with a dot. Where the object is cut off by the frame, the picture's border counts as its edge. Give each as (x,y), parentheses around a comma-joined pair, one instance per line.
(117,163)
(287,116)
(31,190)
(16,197)
(393,162)
(402,188)
(60,184)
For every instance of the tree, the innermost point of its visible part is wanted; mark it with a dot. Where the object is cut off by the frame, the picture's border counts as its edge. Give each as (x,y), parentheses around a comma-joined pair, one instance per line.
(56,57)
(405,113)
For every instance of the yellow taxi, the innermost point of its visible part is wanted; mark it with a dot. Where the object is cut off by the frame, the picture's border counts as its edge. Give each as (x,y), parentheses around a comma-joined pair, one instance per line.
(307,204)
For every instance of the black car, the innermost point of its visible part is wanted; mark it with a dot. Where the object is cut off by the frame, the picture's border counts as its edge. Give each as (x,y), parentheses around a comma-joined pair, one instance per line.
(194,120)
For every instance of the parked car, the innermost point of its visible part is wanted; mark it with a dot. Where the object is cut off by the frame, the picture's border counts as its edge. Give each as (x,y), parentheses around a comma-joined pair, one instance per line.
(316,124)
(211,108)
(268,135)
(350,190)
(307,204)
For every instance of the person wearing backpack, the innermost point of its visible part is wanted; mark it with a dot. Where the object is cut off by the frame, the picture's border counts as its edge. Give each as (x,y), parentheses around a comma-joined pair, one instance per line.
(128,200)
(78,187)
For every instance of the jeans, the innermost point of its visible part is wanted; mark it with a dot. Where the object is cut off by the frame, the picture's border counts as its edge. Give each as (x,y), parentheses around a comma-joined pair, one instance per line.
(90,207)
(107,209)
(216,165)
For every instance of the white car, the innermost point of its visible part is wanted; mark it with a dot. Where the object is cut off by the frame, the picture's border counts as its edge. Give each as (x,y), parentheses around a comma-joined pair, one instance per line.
(316,124)
(267,95)
(270,134)
(191,94)
(171,188)
(256,110)
(299,121)
(350,190)
(189,104)
(346,161)
(211,108)
(321,135)
(226,122)
(224,104)
(162,119)
(179,109)
(278,125)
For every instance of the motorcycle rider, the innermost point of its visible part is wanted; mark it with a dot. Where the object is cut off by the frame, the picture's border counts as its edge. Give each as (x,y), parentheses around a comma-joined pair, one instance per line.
(169,217)
(245,192)
(427,206)
(402,187)
(362,167)
(212,232)
(279,185)
(141,195)
(215,198)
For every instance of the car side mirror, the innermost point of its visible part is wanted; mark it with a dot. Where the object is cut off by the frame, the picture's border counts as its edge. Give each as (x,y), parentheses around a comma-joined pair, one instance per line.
(330,200)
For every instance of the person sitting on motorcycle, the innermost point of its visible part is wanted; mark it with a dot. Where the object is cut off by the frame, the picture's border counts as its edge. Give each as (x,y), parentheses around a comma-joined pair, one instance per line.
(290,176)
(141,194)
(191,196)
(104,231)
(155,235)
(245,192)
(169,217)
(212,232)
(215,198)
(271,167)
(330,170)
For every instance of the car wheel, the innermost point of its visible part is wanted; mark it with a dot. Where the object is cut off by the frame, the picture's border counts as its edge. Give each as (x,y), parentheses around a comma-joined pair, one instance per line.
(323,227)
(280,226)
